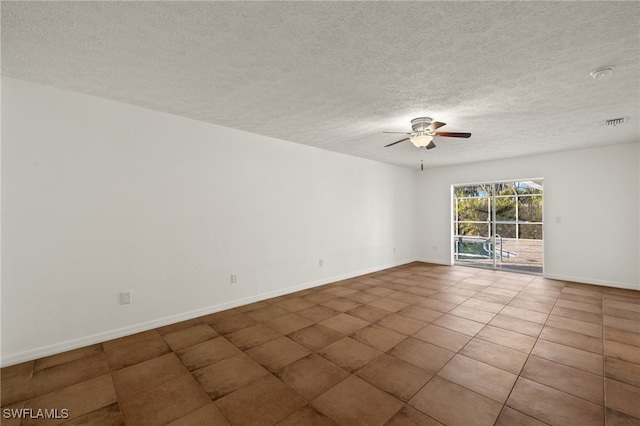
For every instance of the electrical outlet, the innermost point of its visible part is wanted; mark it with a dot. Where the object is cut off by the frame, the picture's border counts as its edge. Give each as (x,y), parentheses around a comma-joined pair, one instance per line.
(125,298)
(394,249)
(321,263)
(435,248)
(234,278)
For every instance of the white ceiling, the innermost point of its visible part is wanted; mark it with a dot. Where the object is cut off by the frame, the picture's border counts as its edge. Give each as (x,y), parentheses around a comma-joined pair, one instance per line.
(336,74)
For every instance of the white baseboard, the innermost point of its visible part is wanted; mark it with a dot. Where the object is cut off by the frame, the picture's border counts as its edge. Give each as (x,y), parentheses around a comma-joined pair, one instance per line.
(436,261)
(68,345)
(584,280)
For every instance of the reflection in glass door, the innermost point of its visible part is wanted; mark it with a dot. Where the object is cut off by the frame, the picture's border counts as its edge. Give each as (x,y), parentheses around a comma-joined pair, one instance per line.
(499,225)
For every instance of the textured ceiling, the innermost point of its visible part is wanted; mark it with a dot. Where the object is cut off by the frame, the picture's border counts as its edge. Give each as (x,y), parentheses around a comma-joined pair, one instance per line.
(336,74)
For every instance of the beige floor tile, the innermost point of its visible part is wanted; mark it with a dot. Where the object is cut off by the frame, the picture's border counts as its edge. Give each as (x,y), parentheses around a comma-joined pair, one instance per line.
(389,305)
(576,326)
(495,355)
(341,304)
(422,354)
(252,336)
(379,337)
(228,375)
(207,415)
(67,374)
(288,323)
(567,355)
(510,417)
(473,314)
(479,377)
(307,415)
(349,354)
(295,304)
(275,354)
(311,376)
(439,305)
(622,351)
(452,404)
(459,324)
(442,337)
(567,379)
(409,416)
(15,382)
(315,337)
(369,313)
(622,323)
(354,401)
(65,357)
(401,324)
(483,305)
(553,406)
(621,313)
(317,313)
(267,312)
(164,403)
(361,297)
(622,371)
(189,336)
(616,418)
(265,401)
(524,314)
(179,326)
(107,416)
(79,399)
(205,353)
(571,338)
(578,315)
(622,336)
(510,339)
(229,324)
(531,305)
(518,325)
(397,377)
(133,349)
(581,306)
(344,323)
(147,374)
(622,397)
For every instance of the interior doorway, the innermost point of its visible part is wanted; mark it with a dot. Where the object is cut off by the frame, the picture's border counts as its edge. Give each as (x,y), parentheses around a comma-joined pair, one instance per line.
(499,225)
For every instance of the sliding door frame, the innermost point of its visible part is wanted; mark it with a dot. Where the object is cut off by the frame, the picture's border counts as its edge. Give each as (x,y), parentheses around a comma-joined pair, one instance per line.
(492,221)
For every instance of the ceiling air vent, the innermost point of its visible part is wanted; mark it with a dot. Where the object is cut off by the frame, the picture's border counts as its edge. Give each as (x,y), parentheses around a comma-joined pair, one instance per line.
(615,121)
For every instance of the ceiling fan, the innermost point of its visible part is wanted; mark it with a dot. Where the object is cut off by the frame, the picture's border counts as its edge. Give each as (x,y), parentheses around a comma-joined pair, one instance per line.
(424,129)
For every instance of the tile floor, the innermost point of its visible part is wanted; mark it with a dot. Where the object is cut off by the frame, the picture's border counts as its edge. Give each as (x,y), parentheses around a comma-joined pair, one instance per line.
(418,344)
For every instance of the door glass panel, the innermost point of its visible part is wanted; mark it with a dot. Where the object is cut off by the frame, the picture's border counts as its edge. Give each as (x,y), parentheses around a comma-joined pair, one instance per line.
(472,225)
(499,225)
(506,209)
(506,230)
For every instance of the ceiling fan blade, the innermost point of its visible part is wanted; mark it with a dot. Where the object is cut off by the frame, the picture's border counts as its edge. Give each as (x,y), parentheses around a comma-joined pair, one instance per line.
(435,125)
(404,133)
(401,140)
(453,134)
(431,145)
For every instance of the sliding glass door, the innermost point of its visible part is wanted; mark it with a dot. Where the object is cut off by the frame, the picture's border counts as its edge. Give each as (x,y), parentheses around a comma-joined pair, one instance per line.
(499,225)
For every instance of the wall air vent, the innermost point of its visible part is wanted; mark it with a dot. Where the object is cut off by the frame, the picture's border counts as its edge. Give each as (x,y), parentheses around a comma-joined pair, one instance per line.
(615,121)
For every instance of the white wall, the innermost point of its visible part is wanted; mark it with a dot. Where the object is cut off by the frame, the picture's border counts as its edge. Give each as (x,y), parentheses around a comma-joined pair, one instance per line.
(100,197)
(595,192)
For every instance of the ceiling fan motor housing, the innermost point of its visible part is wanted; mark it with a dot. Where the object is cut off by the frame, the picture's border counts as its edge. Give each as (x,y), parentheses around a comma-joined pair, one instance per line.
(420,125)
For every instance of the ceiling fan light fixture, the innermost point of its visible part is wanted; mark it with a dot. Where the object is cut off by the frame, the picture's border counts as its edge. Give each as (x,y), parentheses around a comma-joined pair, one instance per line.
(421,140)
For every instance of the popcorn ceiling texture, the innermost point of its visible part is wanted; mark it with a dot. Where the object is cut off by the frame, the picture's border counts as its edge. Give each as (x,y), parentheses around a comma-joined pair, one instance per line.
(336,74)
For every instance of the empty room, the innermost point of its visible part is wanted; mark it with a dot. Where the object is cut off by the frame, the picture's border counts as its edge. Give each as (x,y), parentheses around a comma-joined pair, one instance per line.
(320,213)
